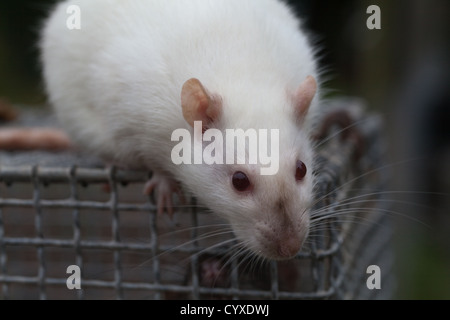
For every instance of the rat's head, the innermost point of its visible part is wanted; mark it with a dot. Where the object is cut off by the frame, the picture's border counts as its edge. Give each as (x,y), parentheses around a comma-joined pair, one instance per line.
(269,214)
(268,210)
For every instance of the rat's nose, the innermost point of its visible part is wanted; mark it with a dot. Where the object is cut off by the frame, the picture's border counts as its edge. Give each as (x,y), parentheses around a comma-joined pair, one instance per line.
(289,247)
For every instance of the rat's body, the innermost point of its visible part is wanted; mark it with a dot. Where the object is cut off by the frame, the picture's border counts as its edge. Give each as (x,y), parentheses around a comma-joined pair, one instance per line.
(124,82)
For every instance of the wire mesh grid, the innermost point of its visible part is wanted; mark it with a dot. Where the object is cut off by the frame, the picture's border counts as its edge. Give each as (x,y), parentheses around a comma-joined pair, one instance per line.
(97,219)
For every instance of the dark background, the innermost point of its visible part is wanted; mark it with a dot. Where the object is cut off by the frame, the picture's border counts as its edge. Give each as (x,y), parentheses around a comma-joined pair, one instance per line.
(401,71)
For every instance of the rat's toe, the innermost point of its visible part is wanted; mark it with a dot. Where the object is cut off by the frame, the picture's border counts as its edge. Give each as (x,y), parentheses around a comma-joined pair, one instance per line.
(164,187)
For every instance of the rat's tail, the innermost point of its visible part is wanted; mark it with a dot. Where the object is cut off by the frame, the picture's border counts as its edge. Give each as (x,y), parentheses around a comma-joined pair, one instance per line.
(20,138)
(33,139)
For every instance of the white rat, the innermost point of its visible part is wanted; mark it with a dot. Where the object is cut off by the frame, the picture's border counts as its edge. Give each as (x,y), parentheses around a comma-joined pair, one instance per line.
(137,70)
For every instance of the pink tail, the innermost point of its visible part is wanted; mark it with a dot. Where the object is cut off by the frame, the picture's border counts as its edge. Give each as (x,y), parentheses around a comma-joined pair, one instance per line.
(33,139)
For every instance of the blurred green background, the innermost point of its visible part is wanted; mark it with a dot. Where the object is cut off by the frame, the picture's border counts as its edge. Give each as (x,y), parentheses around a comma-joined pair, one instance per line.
(402,71)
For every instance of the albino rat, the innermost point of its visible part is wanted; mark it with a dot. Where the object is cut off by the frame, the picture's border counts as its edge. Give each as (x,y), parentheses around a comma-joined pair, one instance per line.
(138,70)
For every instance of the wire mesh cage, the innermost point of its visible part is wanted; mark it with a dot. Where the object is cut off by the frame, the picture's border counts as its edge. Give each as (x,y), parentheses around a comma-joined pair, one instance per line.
(80,214)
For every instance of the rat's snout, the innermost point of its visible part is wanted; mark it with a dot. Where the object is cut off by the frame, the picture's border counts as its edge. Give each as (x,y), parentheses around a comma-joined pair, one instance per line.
(280,242)
(288,242)
(289,246)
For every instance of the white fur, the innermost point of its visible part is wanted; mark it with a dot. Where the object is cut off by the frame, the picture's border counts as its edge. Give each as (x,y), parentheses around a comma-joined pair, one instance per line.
(116,84)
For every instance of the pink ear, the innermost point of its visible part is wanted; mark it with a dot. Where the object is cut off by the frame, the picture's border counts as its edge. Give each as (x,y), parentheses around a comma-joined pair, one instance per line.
(198,105)
(304,96)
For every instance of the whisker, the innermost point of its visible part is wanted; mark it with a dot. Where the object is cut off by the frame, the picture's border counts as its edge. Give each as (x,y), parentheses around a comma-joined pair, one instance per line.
(369,210)
(247,259)
(193,228)
(337,133)
(178,247)
(326,227)
(372,171)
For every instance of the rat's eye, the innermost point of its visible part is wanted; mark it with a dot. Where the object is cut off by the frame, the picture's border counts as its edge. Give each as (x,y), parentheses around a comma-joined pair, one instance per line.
(300,171)
(240,181)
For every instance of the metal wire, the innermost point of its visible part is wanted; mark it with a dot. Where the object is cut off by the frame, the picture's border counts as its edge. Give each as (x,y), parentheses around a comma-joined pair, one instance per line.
(331,266)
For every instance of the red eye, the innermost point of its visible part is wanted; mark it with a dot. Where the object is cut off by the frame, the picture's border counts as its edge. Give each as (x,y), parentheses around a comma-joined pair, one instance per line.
(300,172)
(240,181)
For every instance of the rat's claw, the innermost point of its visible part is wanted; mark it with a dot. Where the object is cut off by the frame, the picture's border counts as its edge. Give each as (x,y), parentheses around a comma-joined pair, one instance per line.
(163,187)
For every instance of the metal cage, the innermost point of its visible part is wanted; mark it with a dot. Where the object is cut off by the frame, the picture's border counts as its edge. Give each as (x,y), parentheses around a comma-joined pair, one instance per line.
(54,216)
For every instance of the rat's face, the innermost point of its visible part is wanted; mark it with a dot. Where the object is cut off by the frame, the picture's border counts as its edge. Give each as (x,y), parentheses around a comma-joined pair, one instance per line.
(269,214)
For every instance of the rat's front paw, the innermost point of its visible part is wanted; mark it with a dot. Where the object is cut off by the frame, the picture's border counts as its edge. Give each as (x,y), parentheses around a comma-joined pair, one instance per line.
(164,187)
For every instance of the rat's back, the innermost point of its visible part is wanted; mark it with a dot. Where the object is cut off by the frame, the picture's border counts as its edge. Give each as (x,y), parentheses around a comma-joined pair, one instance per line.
(118,78)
